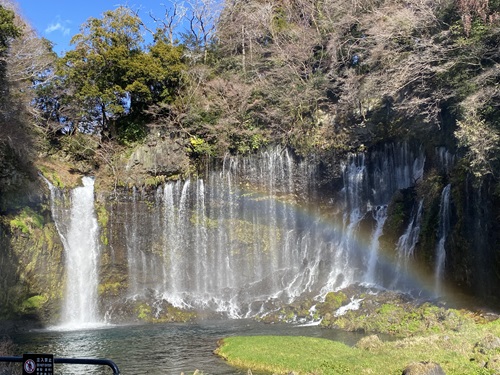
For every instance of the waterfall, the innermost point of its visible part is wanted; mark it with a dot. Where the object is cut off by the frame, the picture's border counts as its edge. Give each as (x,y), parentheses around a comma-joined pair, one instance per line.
(406,246)
(239,238)
(445,160)
(368,188)
(379,215)
(132,245)
(78,228)
(443,230)
(395,166)
(355,176)
(228,241)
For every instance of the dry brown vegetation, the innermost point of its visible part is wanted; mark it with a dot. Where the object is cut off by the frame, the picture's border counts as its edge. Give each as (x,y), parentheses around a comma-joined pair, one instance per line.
(310,73)
(323,75)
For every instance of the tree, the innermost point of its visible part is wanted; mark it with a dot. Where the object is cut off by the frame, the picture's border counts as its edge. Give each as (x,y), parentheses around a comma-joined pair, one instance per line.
(113,79)
(476,8)
(482,143)
(202,18)
(166,70)
(24,60)
(31,66)
(173,17)
(8,29)
(102,68)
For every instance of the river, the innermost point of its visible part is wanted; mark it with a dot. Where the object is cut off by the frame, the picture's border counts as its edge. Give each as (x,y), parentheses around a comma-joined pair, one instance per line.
(157,349)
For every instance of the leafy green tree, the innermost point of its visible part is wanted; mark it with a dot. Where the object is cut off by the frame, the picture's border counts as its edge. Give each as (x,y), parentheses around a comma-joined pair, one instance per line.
(113,79)
(167,69)
(102,67)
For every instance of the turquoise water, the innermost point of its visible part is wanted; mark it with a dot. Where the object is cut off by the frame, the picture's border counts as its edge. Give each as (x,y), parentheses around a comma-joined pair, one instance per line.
(157,349)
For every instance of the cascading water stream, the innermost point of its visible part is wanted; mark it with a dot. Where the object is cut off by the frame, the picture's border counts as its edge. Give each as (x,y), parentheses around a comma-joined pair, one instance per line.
(446,160)
(443,230)
(380,216)
(368,188)
(355,176)
(82,254)
(223,247)
(78,228)
(240,238)
(406,246)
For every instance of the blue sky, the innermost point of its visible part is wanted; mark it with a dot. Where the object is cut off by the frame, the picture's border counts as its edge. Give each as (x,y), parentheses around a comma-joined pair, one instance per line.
(59,20)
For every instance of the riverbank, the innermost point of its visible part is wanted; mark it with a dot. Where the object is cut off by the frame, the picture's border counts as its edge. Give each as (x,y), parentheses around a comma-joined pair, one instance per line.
(396,330)
(468,349)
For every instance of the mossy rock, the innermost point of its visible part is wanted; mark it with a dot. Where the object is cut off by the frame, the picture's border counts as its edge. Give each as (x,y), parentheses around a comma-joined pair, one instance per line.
(26,221)
(163,313)
(423,368)
(33,304)
(486,352)
(144,312)
(59,172)
(333,300)
(110,289)
(489,344)
(393,314)
(369,343)
(493,364)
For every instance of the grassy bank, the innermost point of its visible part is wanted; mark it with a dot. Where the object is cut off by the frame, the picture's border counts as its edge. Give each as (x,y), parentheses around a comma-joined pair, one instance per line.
(473,350)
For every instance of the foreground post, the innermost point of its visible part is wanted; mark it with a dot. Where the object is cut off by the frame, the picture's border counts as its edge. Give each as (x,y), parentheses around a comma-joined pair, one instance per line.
(43,363)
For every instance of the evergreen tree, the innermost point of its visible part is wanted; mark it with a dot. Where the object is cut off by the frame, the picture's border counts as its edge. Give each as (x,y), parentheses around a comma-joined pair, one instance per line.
(113,78)
(8,29)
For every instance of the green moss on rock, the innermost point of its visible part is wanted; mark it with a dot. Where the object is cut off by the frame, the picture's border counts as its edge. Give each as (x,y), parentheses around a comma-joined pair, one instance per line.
(26,221)
(333,300)
(103,219)
(163,312)
(32,281)
(400,318)
(369,343)
(110,289)
(33,304)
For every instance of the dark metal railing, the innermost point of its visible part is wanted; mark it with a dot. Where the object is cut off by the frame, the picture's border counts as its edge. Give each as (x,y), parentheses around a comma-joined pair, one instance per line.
(73,361)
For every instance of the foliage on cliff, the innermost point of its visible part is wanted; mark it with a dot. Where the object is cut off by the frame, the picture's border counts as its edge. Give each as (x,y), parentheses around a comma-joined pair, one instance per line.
(23,59)
(111,77)
(9,30)
(317,75)
(315,71)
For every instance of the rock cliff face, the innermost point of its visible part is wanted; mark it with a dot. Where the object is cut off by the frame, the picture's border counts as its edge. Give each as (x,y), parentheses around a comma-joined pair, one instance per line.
(249,232)
(152,163)
(31,253)
(18,181)
(474,259)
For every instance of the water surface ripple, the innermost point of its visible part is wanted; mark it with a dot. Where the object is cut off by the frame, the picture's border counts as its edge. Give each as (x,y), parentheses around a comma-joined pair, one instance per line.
(157,349)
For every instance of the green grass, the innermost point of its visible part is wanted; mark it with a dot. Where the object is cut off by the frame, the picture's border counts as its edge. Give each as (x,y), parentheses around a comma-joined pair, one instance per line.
(456,352)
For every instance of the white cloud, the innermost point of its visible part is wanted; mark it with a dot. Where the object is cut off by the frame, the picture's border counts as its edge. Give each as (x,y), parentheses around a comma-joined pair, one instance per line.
(60,26)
